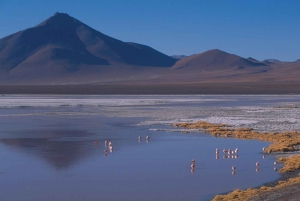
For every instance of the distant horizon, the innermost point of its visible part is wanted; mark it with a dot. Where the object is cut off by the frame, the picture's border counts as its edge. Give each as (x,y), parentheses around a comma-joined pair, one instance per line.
(261,30)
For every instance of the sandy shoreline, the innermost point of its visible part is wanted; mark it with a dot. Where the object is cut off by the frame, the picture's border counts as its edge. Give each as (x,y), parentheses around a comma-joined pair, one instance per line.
(163,89)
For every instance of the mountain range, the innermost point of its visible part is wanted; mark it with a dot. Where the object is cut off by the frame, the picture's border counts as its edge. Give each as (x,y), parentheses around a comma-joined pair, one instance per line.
(64,50)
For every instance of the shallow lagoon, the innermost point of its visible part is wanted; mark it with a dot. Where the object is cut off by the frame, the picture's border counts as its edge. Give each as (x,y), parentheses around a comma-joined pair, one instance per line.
(47,149)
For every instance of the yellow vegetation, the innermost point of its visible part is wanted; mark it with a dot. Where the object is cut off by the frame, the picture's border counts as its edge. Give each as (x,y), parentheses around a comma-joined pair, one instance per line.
(291,163)
(281,142)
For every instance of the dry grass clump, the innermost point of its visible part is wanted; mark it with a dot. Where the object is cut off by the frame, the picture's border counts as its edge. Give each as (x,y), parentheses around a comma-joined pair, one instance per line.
(281,142)
(291,164)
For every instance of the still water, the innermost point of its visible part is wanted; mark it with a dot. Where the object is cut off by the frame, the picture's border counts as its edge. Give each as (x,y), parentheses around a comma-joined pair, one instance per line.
(47,149)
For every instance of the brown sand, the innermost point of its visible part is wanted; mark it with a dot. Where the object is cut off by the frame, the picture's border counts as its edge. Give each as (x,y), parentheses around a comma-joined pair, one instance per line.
(180,88)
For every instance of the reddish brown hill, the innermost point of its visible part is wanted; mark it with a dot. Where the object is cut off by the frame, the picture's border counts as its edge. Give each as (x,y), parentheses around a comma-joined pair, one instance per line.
(215,60)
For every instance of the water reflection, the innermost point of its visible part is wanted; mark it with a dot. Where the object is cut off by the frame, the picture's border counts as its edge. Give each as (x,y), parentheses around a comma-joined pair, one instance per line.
(59,154)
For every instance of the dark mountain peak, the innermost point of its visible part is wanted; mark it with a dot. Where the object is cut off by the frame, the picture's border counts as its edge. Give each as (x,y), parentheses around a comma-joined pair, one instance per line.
(298,60)
(61,20)
(61,14)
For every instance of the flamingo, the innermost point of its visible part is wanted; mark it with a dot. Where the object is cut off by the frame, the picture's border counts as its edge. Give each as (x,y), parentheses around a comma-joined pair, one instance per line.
(193,161)
(193,165)
(275,163)
(110,144)
(217,150)
(275,169)
(257,164)
(147,137)
(233,168)
(257,169)
(224,150)
(264,148)
(236,150)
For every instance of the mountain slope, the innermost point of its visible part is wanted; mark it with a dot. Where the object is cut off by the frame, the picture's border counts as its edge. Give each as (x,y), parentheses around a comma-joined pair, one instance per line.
(215,60)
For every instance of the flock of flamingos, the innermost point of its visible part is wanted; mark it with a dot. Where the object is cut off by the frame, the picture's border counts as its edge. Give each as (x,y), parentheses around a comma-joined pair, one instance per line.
(231,154)
(110,145)
(227,154)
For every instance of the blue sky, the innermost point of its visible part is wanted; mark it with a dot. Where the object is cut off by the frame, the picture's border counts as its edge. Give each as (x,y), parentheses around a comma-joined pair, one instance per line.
(260,29)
